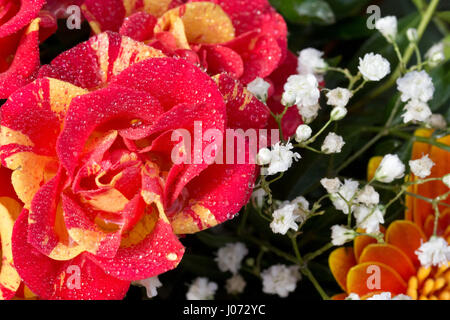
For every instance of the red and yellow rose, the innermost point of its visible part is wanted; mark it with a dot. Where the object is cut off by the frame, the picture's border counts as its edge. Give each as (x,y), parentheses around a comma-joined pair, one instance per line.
(400,269)
(22,25)
(90,146)
(245,39)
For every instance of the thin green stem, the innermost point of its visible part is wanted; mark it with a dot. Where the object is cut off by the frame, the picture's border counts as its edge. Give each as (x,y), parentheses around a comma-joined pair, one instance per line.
(305,270)
(311,140)
(315,254)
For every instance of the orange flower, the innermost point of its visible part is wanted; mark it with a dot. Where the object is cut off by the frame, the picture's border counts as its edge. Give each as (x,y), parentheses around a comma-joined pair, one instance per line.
(394,262)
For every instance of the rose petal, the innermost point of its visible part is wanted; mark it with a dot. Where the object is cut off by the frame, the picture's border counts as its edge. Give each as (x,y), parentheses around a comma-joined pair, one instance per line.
(9,278)
(51,279)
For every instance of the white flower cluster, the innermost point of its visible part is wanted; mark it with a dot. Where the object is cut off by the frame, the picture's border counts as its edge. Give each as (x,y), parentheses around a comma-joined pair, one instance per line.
(364,204)
(380,296)
(437,121)
(259,88)
(374,67)
(341,234)
(201,289)
(435,55)
(310,61)
(279,159)
(338,98)
(258,197)
(280,279)
(303,133)
(446,180)
(289,214)
(421,167)
(390,169)
(434,252)
(235,285)
(151,285)
(308,113)
(388,27)
(333,143)
(417,89)
(301,90)
(229,257)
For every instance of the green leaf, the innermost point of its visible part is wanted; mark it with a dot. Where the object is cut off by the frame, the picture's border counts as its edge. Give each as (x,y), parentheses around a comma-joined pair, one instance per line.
(444,15)
(215,240)
(305,11)
(201,266)
(347,8)
(441,81)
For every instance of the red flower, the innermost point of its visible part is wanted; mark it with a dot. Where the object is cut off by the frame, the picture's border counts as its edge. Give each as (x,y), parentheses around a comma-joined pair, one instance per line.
(101,193)
(19,40)
(246,39)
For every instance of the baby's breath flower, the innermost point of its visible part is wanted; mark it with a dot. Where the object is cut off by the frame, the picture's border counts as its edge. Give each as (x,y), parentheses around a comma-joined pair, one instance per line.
(416,111)
(259,88)
(332,143)
(281,158)
(285,218)
(412,35)
(437,121)
(338,113)
(435,55)
(201,289)
(339,97)
(264,156)
(344,195)
(421,167)
(229,257)
(402,297)
(310,61)
(309,113)
(390,169)
(416,85)
(446,180)
(368,196)
(303,133)
(301,90)
(235,285)
(434,252)
(280,279)
(388,27)
(374,67)
(388,296)
(258,197)
(369,218)
(353,296)
(302,208)
(151,285)
(331,185)
(341,234)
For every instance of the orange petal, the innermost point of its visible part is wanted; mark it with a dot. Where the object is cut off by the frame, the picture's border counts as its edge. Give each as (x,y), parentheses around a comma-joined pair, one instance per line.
(441,158)
(360,279)
(406,236)
(390,256)
(340,261)
(421,148)
(361,242)
(374,162)
(339,296)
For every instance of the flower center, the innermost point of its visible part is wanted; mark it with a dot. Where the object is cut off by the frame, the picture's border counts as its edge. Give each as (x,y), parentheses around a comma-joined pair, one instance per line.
(430,283)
